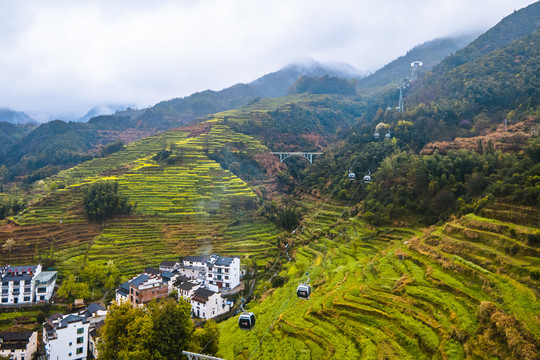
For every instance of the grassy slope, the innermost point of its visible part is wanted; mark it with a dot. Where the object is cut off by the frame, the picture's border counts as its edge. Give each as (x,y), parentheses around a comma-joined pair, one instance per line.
(183,208)
(399,294)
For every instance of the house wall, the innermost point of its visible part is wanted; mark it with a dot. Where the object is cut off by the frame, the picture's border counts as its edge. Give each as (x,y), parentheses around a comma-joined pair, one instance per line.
(65,346)
(22,354)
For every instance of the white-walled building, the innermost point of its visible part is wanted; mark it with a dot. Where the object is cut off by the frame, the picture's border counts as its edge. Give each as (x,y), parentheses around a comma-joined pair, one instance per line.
(187,288)
(207,304)
(223,273)
(169,265)
(26,284)
(66,337)
(18,345)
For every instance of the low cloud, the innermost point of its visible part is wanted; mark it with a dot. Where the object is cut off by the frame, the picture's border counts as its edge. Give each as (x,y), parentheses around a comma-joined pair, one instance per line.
(63,57)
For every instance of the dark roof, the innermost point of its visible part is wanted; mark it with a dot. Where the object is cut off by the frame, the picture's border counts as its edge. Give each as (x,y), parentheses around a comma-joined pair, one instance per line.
(180,279)
(202,294)
(54,317)
(21,268)
(195,258)
(139,280)
(187,286)
(167,274)
(16,336)
(124,288)
(152,271)
(93,308)
(12,276)
(71,319)
(224,261)
(167,263)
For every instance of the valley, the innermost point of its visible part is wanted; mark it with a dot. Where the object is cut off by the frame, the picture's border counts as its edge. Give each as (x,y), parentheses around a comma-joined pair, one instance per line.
(436,255)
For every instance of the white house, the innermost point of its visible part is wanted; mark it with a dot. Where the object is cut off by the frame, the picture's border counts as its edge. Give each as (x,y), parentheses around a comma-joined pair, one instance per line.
(186,289)
(26,284)
(169,265)
(122,293)
(18,345)
(207,304)
(223,273)
(66,337)
(195,261)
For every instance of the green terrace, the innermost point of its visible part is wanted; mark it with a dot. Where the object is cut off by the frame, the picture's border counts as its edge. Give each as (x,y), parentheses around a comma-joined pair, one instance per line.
(398,293)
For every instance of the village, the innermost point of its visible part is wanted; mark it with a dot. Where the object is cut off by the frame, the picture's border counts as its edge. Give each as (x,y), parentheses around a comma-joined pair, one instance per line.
(202,281)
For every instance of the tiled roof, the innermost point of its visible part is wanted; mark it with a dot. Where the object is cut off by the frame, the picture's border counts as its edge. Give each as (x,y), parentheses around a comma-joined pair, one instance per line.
(224,261)
(71,319)
(203,293)
(139,280)
(187,286)
(152,271)
(16,336)
(194,258)
(93,308)
(167,263)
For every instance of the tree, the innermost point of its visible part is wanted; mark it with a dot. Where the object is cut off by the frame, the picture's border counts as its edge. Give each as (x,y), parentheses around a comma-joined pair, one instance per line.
(101,201)
(8,246)
(206,339)
(160,331)
(71,289)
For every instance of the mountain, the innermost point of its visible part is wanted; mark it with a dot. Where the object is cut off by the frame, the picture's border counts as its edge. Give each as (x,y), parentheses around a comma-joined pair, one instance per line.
(15,117)
(277,84)
(429,54)
(517,25)
(101,110)
(434,256)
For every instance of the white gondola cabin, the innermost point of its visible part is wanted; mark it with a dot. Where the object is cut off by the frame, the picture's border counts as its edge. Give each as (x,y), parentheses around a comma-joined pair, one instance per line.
(246,321)
(376,135)
(367,178)
(387,136)
(352,176)
(303,291)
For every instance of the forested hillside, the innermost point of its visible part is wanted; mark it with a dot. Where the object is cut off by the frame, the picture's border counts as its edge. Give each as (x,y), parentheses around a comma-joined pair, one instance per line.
(418,230)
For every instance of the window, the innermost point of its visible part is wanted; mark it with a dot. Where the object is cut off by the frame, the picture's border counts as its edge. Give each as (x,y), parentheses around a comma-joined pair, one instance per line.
(4,300)
(41,289)
(4,291)
(79,350)
(80,340)
(27,298)
(80,331)
(70,343)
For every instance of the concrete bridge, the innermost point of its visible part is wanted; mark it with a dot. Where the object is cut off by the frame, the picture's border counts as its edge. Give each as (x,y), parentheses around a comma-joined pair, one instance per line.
(284,155)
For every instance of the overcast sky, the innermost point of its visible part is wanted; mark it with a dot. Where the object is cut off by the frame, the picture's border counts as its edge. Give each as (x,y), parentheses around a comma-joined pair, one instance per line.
(63,57)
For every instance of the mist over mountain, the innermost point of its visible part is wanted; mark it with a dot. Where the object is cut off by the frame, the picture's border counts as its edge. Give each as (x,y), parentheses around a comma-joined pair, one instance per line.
(101,110)
(15,117)
(277,83)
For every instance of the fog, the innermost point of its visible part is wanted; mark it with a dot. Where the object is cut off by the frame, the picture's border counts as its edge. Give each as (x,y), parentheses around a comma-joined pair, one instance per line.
(60,58)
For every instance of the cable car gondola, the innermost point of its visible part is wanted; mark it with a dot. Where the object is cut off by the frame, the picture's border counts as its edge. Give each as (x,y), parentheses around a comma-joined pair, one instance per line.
(376,135)
(352,176)
(367,178)
(387,136)
(246,320)
(304,289)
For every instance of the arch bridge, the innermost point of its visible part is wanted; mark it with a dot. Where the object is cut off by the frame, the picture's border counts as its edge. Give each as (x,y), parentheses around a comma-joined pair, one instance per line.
(284,155)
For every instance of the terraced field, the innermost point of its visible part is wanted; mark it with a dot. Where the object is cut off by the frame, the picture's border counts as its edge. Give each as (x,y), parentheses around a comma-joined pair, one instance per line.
(468,289)
(190,205)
